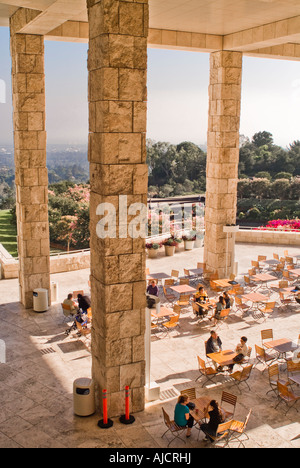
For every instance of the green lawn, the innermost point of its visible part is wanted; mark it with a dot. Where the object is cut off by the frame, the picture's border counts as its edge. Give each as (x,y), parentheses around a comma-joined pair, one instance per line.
(8,233)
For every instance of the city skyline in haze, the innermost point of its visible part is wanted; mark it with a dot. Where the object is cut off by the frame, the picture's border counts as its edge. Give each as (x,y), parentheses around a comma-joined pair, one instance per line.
(177,95)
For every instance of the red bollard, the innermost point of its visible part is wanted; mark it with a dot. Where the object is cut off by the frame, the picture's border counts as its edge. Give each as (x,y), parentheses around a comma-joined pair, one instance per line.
(127,418)
(105,423)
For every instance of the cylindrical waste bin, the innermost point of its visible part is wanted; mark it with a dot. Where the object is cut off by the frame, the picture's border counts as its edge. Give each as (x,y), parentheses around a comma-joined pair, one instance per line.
(40,300)
(84,397)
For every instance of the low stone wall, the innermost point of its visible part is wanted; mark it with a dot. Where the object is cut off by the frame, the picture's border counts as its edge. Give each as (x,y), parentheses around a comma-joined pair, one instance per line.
(268,237)
(58,264)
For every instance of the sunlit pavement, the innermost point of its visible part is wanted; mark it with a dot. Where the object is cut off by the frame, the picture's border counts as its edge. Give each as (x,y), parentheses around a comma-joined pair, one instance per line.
(36,382)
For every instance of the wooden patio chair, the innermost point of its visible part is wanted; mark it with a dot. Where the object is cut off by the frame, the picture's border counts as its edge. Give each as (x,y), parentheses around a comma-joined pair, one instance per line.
(292,367)
(247,358)
(238,430)
(242,376)
(223,317)
(184,300)
(175,275)
(228,404)
(275,256)
(264,312)
(285,302)
(249,283)
(263,357)
(190,392)
(241,306)
(266,335)
(287,396)
(172,428)
(67,311)
(206,371)
(223,434)
(184,281)
(169,282)
(171,324)
(171,298)
(278,269)
(84,331)
(274,377)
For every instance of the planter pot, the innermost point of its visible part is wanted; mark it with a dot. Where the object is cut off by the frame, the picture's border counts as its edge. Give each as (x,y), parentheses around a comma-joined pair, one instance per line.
(152,253)
(169,250)
(189,245)
(178,248)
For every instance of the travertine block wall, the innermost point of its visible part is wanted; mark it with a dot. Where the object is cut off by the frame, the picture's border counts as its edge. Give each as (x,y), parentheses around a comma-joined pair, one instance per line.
(222,156)
(28,86)
(117,64)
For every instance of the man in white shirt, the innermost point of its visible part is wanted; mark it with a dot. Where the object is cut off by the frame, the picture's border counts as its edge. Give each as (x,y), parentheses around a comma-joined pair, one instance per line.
(69,302)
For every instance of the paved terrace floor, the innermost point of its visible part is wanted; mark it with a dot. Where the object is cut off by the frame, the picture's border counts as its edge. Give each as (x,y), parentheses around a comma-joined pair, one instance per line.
(36,383)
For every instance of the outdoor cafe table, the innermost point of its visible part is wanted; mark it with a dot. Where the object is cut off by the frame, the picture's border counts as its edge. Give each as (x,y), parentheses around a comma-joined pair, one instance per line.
(183,289)
(282,346)
(222,283)
(164,312)
(159,276)
(223,358)
(201,405)
(197,271)
(255,297)
(263,278)
(295,272)
(295,378)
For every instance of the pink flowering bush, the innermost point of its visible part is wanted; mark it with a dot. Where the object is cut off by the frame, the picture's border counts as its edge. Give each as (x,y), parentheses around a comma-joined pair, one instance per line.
(282,225)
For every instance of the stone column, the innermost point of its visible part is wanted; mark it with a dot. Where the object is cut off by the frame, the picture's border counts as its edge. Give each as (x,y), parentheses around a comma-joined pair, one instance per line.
(117,64)
(28,88)
(222,157)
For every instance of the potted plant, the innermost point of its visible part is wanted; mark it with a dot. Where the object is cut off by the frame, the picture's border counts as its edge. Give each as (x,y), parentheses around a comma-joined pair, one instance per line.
(178,241)
(170,245)
(189,240)
(152,248)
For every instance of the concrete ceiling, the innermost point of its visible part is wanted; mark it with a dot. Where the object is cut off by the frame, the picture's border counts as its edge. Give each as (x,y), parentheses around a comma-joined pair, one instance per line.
(238,22)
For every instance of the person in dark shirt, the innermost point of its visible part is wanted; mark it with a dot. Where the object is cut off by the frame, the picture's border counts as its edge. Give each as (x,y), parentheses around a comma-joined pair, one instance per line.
(84,302)
(152,289)
(215,418)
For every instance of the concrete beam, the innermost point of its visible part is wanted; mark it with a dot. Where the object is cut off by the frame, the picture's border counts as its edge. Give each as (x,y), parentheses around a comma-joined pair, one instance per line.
(268,35)
(54,16)
(281,51)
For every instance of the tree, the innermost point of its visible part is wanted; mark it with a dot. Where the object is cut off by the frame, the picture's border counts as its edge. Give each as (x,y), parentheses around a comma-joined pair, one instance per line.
(263,138)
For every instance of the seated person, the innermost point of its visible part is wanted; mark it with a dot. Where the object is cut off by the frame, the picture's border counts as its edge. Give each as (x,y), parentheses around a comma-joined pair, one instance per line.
(182,415)
(152,294)
(227,300)
(214,345)
(215,418)
(84,302)
(221,305)
(201,297)
(241,350)
(69,302)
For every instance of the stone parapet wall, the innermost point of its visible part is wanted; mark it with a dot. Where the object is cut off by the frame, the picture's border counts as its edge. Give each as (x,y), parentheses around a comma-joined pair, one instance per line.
(268,237)
(58,264)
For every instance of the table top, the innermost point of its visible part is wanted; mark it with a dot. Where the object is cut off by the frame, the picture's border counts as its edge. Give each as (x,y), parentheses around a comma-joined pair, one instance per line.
(164,312)
(159,276)
(256,297)
(295,272)
(282,345)
(223,358)
(295,378)
(201,404)
(197,271)
(223,283)
(183,288)
(271,261)
(264,277)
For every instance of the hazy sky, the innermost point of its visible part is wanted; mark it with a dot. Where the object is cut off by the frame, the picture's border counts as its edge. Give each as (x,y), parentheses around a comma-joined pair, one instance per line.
(177,95)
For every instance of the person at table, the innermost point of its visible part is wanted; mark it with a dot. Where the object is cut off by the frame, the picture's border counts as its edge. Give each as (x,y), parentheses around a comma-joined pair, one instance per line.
(221,305)
(152,294)
(227,300)
(84,302)
(214,345)
(215,418)
(201,297)
(182,416)
(241,350)
(71,303)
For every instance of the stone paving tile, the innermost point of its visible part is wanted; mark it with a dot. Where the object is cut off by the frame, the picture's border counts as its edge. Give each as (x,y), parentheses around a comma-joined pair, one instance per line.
(36,388)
